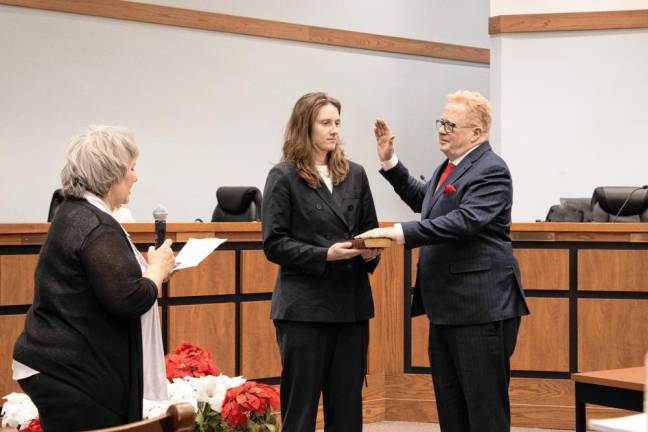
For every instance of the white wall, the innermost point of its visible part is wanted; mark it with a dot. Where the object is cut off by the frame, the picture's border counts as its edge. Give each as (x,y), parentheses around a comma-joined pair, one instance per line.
(208,109)
(513,7)
(570,112)
(463,22)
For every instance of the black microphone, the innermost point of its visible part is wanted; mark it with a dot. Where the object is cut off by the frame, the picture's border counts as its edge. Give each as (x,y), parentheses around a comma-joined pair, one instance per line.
(422,177)
(616,216)
(160,215)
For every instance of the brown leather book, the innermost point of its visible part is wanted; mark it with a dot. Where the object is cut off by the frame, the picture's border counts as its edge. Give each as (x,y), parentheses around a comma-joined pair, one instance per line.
(371,243)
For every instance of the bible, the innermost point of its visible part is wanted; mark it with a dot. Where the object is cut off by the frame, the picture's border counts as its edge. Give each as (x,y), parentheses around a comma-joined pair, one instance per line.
(371,243)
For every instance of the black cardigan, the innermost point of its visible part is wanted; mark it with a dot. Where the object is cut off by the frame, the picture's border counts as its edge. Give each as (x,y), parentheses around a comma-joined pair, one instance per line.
(84,325)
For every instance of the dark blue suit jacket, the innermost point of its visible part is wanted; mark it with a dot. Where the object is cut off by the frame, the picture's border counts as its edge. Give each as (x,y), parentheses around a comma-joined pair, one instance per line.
(467,273)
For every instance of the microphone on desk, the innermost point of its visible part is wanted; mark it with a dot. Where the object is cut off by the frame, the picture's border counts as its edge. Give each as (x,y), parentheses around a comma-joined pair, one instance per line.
(160,215)
(616,216)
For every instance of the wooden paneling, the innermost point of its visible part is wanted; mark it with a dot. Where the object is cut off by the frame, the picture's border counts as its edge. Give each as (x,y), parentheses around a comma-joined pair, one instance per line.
(210,326)
(613,270)
(410,397)
(607,20)
(543,341)
(10,328)
(546,269)
(541,391)
(259,352)
(202,20)
(611,333)
(412,410)
(258,275)
(386,328)
(17,279)
(415,257)
(419,344)
(214,276)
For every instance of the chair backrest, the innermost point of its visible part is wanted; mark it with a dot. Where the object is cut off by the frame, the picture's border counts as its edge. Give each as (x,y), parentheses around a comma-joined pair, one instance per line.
(237,204)
(630,203)
(570,210)
(178,418)
(57,198)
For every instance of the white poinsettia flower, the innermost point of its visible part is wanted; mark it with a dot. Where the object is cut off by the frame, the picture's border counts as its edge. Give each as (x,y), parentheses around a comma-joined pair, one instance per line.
(180,389)
(18,410)
(212,389)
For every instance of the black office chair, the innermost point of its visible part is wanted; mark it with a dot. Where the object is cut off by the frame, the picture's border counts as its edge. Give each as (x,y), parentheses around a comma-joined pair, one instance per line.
(622,203)
(57,199)
(237,204)
(570,210)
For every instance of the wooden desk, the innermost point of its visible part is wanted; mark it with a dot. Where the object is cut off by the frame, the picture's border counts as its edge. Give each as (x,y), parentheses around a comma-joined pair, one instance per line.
(618,388)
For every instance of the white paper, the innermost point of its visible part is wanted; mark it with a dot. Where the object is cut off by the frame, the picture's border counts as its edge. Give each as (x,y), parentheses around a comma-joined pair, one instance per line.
(635,423)
(196,250)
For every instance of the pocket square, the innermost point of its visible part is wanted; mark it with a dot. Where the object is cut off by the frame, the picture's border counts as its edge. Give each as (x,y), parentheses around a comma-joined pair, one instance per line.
(447,189)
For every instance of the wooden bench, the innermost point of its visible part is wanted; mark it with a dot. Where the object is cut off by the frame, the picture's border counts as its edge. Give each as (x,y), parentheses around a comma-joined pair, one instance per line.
(617,388)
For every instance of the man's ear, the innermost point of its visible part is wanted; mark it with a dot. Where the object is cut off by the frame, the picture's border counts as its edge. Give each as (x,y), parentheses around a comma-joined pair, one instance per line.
(477,133)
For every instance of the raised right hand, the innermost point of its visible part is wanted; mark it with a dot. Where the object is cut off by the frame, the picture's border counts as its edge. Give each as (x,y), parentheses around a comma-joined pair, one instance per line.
(384,140)
(341,251)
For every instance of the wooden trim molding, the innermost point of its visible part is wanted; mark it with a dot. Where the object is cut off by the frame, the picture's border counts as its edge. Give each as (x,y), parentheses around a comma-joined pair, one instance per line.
(608,20)
(201,20)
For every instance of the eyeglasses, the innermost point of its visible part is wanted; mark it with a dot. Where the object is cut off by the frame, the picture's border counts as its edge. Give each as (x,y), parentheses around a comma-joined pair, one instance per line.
(449,127)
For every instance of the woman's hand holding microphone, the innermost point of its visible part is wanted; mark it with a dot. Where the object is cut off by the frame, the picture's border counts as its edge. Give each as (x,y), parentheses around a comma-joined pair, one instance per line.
(161,262)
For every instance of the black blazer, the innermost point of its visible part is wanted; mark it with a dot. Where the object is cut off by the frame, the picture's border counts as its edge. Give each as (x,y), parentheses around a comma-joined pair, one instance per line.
(467,273)
(299,225)
(84,325)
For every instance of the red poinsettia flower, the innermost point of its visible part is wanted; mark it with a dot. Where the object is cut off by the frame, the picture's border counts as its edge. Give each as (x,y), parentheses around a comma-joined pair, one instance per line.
(189,360)
(449,189)
(32,426)
(247,399)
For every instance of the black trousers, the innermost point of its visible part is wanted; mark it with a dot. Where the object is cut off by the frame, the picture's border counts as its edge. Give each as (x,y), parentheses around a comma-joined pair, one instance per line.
(327,358)
(63,408)
(471,373)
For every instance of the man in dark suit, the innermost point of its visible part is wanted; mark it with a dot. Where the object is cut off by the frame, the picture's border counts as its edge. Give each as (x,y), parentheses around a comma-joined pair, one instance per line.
(468,280)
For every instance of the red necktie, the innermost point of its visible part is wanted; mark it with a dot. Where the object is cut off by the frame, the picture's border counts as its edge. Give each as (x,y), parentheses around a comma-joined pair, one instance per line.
(446,172)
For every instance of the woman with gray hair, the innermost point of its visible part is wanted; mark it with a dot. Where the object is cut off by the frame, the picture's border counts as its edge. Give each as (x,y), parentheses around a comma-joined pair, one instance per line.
(92,346)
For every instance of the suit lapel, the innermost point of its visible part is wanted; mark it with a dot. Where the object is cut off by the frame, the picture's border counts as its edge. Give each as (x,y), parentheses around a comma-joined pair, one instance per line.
(333,202)
(456,174)
(428,196)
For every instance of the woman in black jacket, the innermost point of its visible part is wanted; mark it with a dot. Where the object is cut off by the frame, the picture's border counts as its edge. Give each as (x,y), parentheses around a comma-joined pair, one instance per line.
(315,201)
(92,348)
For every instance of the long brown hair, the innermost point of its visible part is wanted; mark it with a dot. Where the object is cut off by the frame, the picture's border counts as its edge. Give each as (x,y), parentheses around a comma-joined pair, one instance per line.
(298,147)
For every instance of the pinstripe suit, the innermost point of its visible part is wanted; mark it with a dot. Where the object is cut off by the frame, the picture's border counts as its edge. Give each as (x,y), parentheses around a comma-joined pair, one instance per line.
(468,284)
(321,309)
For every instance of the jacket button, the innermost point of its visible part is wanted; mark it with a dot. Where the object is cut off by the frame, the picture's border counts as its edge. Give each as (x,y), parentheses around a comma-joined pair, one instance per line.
(350,208)
(319,206)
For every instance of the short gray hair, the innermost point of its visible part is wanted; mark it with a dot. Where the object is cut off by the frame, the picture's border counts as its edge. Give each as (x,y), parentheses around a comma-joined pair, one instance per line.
(96,159)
